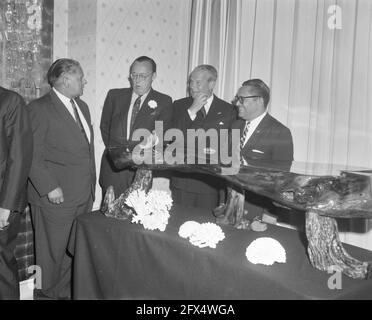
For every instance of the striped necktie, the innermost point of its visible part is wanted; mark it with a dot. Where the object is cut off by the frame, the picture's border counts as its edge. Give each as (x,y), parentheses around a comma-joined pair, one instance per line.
(244,135)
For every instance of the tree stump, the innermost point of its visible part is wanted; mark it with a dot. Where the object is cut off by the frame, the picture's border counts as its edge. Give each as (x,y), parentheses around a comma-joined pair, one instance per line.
(326,251)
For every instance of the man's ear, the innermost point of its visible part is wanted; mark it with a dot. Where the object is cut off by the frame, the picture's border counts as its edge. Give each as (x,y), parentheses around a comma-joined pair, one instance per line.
(153,76)
(65,81)
(212,84)
(262,102)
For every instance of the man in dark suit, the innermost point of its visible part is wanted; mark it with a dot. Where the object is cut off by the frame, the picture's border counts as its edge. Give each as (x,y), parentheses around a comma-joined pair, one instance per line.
(203,110)
(267,142)
(15,163)
(129,109)
(63,171)
(264,142)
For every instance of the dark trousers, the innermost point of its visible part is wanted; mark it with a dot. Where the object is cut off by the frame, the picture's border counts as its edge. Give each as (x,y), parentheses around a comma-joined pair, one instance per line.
(192,199)
(9,281)
(52,231)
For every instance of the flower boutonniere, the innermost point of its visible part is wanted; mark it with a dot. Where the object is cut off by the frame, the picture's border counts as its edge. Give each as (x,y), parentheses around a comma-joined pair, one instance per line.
(152,104)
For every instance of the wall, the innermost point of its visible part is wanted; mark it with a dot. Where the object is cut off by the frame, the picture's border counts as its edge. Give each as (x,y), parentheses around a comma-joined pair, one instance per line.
(107,35)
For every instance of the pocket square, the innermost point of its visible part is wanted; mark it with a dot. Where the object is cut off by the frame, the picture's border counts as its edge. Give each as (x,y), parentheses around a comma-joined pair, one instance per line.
(221,123)
(219,113)
(258,151)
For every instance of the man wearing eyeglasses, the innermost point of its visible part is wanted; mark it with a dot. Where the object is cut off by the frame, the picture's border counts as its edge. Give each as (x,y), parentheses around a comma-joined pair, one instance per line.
(126,110)
(264,142)
(201,111)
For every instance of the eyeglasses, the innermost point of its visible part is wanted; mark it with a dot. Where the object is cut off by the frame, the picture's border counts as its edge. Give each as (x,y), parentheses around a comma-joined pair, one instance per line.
(241,98)
(140,76)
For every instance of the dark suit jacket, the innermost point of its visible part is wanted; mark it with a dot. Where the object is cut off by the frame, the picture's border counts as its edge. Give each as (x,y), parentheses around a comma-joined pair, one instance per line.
(220,116)
(270,145)
(114,129)
(15,150)
(62,157)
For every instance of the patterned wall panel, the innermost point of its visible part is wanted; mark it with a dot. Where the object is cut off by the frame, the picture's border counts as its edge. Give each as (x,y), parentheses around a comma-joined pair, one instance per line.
(130,28)
(25,45)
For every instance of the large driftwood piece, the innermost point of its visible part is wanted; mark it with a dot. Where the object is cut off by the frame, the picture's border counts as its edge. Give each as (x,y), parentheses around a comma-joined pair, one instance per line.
(322,197)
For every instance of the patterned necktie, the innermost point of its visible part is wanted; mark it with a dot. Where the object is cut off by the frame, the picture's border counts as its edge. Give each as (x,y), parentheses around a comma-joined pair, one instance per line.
(77,119)
(244,135)
(136,109)
(201,114)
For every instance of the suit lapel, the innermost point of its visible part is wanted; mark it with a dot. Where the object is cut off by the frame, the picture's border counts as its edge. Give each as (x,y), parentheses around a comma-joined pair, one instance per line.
(66,117)
(257,134)
(213,109)
(122,103)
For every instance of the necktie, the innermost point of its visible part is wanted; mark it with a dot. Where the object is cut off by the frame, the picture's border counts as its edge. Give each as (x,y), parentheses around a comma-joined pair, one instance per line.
(202,113)
(136,109)
(77,119)
(244,135)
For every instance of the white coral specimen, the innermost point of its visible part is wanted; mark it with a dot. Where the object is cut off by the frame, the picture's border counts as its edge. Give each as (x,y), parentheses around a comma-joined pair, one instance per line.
(265,251)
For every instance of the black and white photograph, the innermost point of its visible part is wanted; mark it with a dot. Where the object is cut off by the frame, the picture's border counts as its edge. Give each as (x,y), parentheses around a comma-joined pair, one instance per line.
(185,151)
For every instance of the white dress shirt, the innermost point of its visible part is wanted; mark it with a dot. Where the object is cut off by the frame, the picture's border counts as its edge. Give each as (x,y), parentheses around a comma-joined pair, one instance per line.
(207,106)
(130,111)
(66,102)
(253,126)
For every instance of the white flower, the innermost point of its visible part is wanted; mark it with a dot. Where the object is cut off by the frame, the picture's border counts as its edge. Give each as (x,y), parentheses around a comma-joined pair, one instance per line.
(152,104)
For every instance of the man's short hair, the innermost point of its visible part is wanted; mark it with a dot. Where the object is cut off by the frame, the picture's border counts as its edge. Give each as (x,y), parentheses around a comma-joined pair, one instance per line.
(207,67)
(61,66)
(143,59)
(260,89)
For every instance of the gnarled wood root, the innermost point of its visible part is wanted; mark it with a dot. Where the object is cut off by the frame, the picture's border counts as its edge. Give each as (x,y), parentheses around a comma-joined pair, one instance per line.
(232,212)
(116,208)
(326,251)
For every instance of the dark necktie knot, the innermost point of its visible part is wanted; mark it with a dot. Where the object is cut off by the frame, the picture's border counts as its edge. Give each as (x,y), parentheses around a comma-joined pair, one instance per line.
(202,112)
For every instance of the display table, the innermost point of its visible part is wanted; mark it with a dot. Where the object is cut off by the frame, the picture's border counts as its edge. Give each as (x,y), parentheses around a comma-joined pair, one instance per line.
(115,259)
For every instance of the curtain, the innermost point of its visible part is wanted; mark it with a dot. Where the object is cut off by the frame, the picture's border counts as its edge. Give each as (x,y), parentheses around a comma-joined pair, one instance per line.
(316,56)
(215,32)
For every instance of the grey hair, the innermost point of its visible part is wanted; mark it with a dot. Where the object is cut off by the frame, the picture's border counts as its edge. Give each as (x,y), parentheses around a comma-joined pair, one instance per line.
(207,67)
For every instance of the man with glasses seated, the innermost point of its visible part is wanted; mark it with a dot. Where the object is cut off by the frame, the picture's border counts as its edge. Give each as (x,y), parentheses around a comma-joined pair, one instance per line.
(264,142)
(126,110)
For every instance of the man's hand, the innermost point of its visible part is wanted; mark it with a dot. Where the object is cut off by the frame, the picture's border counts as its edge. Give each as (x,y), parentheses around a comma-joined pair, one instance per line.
(4,215)
(200,100)
(56,196)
